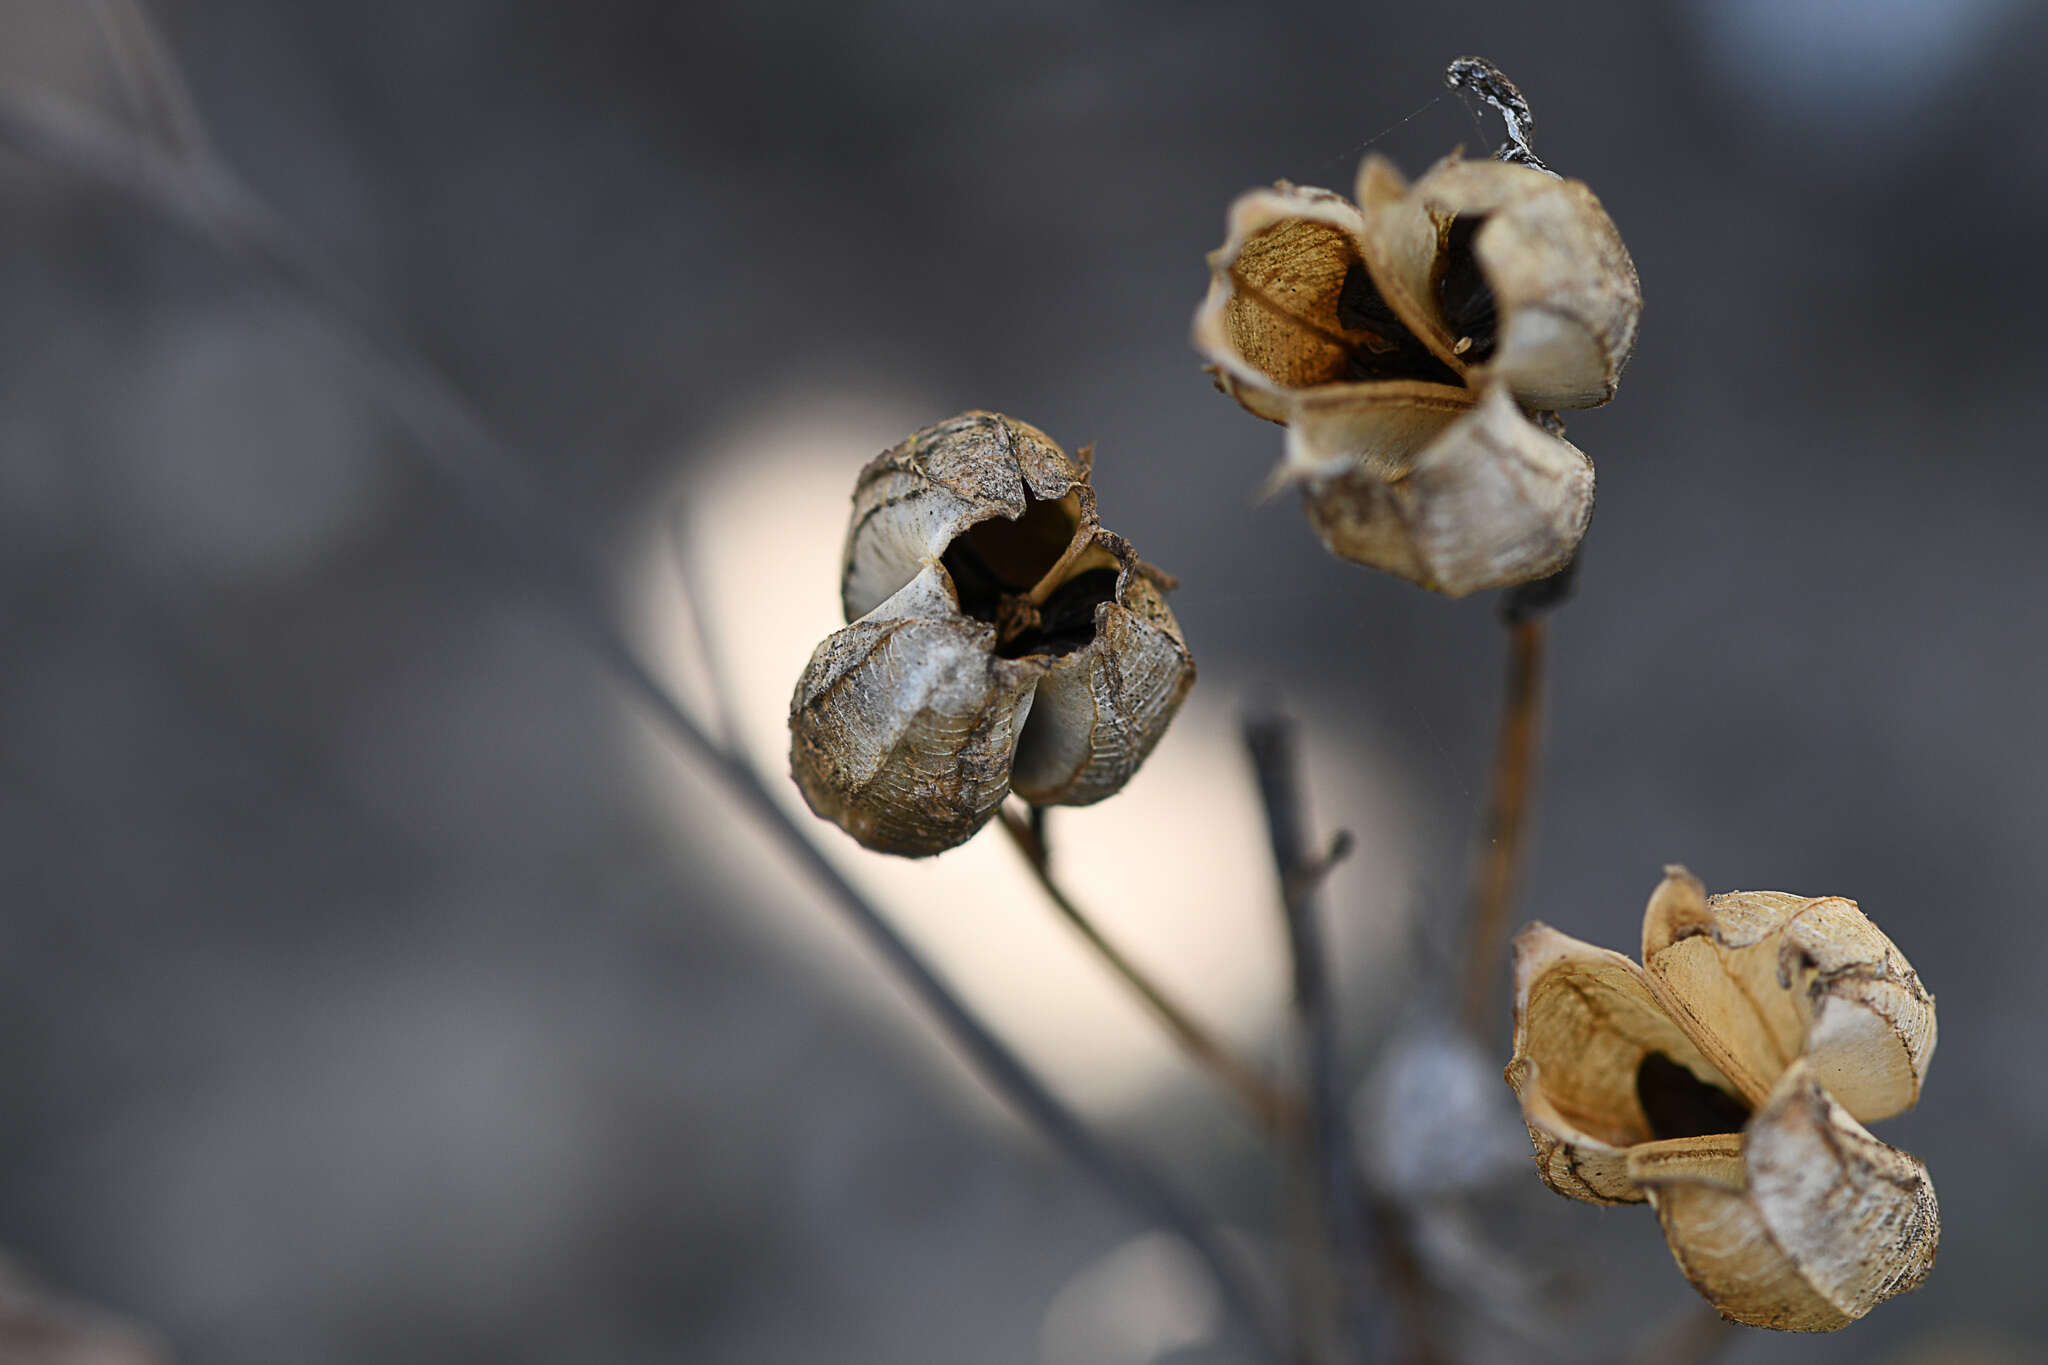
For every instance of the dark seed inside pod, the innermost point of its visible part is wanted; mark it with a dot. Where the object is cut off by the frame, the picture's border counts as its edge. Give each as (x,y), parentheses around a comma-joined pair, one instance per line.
(1466,297)
(1067,620)
(996,562)
(996,558)
(1679,1104)
(1381,345)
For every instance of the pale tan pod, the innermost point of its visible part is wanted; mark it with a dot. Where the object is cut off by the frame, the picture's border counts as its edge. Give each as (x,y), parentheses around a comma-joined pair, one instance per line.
(1762,977)
(1566,294)
(904,724)
(913,500)
(1585,1018)
(1813,1225)
(1494,500)
(1100,710)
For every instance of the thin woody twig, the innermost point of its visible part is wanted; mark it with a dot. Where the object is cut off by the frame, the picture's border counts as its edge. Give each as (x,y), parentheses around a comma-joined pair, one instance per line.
(724,706)
(154,87)
(1692,1336)
(1276,1112)
(1270,741)
(500,501)
(1506,828)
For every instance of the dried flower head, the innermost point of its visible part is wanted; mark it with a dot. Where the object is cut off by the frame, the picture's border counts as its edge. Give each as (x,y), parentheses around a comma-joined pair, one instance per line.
(1416,345)
(1726,1081)
(999,640)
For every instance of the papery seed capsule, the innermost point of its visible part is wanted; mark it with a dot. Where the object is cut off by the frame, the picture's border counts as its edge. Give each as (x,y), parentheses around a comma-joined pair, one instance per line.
(1416,345)
(999,638)
(1722,1081)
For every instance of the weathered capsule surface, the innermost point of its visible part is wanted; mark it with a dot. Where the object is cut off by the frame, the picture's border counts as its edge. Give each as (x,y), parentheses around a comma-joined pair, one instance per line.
(999,640)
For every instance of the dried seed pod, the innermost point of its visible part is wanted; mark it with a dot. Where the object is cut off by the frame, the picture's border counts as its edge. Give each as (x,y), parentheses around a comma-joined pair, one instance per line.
(1707,1083)
(999,639)
(1410,343)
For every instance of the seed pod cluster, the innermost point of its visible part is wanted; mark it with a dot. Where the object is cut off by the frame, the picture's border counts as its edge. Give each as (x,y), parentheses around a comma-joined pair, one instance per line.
(1417,344)
(998,640)
(1726,1081)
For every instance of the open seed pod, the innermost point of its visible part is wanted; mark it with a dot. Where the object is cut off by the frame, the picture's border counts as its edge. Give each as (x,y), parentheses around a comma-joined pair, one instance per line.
(999,639)
(1409,341)
(1723,1083)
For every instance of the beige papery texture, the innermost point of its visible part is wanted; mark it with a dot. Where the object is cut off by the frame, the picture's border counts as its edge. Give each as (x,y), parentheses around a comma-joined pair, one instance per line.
(1416,344)
(1725,1081)
(999,640)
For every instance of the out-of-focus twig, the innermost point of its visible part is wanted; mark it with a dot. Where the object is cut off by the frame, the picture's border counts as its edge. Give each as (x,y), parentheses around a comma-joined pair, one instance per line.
(704,632)
(498,495)
(38,1326)
(1693,1336)
(1507,817)
(1332,1154)
(1410,1296)
(154,86)
(1510,797)
(1277,1112)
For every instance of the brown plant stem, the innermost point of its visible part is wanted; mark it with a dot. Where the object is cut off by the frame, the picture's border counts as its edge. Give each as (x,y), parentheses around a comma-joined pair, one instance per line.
(1507,824)
(1277,1112)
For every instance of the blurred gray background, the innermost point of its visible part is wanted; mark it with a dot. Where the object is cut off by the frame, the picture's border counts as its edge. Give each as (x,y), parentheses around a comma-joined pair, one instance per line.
(359,1003)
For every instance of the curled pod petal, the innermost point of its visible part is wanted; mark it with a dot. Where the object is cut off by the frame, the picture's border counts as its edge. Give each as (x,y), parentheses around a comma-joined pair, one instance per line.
(1764,977)
(1535,276)
(1295,313)
(1805,1224)
(1492,501)
(1101,708)
(904,725)
(1590,1025)
(916,500)
(1270,322)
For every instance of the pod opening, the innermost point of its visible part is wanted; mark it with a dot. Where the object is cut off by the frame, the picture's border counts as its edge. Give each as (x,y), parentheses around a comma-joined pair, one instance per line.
(1464,295)
(999,568)
(1678,1104)
(1379,345)
(1067,620)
